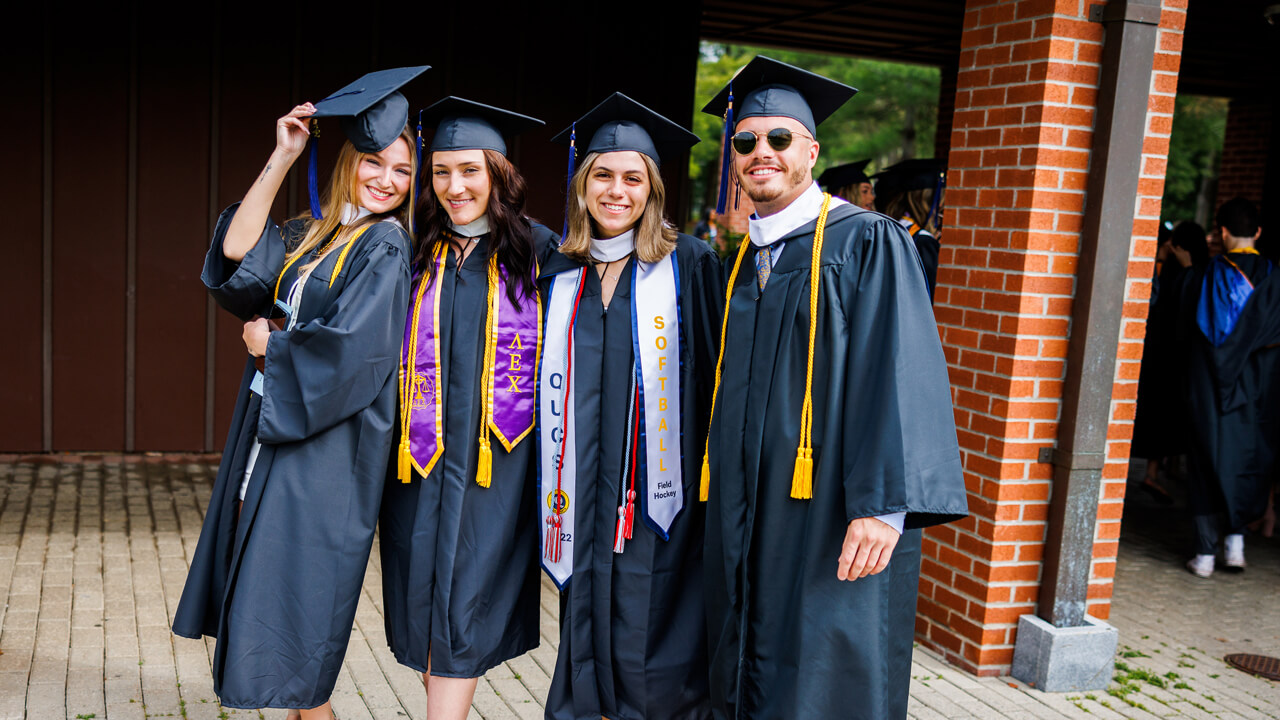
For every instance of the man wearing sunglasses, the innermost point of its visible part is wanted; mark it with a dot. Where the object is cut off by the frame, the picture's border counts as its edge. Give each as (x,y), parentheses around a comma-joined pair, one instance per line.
(832,437)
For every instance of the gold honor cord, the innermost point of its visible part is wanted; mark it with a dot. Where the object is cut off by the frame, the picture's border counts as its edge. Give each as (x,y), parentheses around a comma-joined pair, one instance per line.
(484,463)
(342,258)
(802,477)
(408,371)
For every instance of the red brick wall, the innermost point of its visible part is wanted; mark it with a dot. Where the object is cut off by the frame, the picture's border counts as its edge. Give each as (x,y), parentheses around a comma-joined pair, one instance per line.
(1019,159)
(1245,150)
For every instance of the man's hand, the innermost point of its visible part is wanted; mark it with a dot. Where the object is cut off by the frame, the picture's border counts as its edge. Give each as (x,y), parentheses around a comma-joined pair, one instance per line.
(868,545)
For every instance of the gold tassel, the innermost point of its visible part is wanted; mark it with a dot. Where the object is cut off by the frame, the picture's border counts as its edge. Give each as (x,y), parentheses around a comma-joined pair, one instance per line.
(704,487)
(802,478)
(484,465)
(403,468)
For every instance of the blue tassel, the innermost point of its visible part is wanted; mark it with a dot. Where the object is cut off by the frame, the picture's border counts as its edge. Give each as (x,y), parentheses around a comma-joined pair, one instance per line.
(312,188)
(727,151)
(421,171)
(937,196)
(568,185)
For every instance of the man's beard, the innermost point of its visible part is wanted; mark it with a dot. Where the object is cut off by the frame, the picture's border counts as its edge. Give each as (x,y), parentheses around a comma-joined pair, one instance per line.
(768,193)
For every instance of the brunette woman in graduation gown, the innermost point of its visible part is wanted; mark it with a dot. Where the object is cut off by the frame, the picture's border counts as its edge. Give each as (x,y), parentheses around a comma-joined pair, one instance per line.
(459,529)
(277,572)
(633,633)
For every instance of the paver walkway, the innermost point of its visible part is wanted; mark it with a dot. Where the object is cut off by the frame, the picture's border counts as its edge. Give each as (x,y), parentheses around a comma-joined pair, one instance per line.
(94,551)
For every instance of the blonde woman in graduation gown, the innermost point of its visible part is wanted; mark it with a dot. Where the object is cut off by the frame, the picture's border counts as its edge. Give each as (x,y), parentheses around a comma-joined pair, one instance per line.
(277,572)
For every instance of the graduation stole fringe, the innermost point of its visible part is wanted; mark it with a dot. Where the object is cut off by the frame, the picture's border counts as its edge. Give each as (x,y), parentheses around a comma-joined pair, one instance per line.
(802,476)
(506,412)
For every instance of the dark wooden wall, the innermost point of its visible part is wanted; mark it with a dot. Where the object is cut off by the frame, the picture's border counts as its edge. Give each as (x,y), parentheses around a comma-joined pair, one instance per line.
(136,130)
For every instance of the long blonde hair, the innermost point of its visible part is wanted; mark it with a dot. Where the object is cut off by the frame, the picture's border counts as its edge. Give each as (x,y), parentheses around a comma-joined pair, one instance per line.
(655,238)
(341,191)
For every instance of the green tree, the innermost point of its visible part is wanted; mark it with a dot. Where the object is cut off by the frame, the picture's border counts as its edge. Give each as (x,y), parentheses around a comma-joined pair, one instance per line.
(1195,147)
(894,115)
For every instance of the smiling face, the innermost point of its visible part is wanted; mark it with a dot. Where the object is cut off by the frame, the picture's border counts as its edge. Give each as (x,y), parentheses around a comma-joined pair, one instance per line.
(460,180)
(617,192)
(383,178)
(775,178)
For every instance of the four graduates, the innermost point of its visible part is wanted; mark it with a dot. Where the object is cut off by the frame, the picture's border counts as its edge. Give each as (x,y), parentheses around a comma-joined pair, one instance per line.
(568,401)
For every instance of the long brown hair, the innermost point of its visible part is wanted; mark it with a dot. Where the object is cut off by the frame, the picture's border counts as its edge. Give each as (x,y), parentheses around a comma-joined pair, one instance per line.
(915,204)
(510,230)
(342,190)
(655,238)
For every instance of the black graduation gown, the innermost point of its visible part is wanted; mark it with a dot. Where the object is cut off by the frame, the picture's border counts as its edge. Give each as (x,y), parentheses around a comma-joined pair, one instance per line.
(1160,420)
(281,601)
(788,640)
(460,561)
(1234,396)
(928,247)
(632,627)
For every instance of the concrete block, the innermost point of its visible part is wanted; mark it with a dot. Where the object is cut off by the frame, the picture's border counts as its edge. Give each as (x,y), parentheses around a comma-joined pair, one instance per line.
(1055,659)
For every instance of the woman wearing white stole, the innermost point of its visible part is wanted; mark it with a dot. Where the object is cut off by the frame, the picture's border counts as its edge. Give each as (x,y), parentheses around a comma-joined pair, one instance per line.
(629,335)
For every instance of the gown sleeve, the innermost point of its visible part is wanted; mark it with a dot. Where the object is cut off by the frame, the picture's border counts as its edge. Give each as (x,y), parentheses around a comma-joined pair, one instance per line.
(708,305)
(928,247)
(901,452)
(331,367)
(244,289)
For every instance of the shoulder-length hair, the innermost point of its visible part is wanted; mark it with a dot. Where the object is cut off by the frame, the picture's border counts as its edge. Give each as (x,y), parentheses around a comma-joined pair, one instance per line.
(655,238)
(510,231)
(852,193)
(341,191)
(915,204)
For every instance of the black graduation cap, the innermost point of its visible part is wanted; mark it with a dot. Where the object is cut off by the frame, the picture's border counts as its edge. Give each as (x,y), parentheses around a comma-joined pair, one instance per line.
(768,88)
(467,125)
(913,174)
(840,176)
(372,113)
(620,123)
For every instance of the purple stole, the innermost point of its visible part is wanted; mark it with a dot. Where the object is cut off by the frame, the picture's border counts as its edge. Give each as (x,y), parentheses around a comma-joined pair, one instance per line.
(512,345)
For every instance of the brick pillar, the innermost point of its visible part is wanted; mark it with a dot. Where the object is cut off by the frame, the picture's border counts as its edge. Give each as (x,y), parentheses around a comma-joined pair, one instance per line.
(1018,164)
(1246,148)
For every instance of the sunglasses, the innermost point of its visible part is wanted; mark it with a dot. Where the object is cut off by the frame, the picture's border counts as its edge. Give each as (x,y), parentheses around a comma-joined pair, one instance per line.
(778,138)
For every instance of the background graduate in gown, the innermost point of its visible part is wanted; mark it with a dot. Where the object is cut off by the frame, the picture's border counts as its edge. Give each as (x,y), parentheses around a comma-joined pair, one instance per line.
(912,192)
(1231,313)
(278,582)
(458,527)
(639,298)
(850,182)
(832,439)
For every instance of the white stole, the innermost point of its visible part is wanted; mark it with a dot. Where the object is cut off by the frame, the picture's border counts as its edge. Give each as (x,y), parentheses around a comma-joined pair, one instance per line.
(557,457)
(655,322)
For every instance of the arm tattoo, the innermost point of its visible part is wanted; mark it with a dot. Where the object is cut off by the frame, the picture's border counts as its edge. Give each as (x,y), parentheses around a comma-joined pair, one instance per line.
(265,170)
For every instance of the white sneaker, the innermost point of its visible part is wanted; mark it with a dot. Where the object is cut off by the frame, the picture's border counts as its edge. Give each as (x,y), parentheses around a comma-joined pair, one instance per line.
(1201,565)
(1234,553)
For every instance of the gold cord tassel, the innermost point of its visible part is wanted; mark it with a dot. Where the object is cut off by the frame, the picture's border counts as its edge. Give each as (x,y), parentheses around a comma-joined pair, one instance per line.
(802,477)
(484,465)
(704,487)
(404,470)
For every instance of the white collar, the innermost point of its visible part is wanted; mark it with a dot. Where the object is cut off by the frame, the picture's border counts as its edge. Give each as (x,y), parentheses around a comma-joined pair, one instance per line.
(352,213)
(614,248)
(473,229)
(804,209)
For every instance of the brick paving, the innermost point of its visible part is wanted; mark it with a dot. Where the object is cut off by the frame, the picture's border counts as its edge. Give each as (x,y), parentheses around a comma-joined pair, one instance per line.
(94,551)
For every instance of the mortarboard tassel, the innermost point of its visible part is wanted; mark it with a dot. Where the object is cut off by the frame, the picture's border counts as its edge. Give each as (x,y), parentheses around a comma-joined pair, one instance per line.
(704,485)
(937,197)
(312,184)
(726,150)
(421,172)
(568,184)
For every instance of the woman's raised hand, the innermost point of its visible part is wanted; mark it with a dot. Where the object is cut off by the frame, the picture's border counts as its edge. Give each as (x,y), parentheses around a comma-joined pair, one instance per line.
(292,131)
